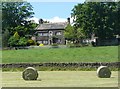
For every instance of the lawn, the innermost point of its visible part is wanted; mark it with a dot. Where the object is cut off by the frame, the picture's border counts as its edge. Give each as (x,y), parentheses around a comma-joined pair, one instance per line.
(83,54)
(60,79)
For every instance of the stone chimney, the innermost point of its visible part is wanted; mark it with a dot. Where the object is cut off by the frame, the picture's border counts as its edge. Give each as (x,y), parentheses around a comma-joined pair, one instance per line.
(68,20)
(40,21)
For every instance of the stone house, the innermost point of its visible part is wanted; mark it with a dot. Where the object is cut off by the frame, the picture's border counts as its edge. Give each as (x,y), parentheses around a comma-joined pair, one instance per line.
(50,33)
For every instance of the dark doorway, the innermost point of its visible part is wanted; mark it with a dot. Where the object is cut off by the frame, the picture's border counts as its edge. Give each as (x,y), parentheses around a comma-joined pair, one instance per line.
(55,40)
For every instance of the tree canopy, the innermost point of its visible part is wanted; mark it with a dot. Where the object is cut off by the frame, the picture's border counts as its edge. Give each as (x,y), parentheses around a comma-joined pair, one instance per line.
(15,17)
(99,18)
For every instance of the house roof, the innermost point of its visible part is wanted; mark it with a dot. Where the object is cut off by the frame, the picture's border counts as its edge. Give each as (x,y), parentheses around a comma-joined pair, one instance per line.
(53,26)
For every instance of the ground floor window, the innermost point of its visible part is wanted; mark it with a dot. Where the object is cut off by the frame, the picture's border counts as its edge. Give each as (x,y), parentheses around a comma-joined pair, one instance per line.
(43,42)
(40,42)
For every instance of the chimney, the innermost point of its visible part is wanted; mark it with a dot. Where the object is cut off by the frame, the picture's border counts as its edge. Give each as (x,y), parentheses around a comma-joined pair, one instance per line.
(40,21)
(68,20)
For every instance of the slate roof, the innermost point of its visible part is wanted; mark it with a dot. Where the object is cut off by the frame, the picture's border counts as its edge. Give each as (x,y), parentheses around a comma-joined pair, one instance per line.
(53,26)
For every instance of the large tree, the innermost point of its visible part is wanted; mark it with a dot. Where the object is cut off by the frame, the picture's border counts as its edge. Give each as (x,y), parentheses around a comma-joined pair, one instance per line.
(15,14)
(15,17)
(99,18)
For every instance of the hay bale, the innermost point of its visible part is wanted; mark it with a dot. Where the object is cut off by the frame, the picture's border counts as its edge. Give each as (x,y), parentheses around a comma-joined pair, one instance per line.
(30,73)
(103,72)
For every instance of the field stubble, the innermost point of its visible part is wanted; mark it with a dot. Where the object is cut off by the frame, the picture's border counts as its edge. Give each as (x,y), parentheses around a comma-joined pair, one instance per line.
(60,79)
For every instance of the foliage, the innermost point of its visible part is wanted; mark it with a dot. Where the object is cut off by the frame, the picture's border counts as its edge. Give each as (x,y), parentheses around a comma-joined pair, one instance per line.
(69,32)
(99,18)
(16,40)
(74,34)
(55,44)
(41,45)
(16,35)
(20,10)
(30,42)
(13,41)
(71,45)
(5,38)
(22,41)
(19,23)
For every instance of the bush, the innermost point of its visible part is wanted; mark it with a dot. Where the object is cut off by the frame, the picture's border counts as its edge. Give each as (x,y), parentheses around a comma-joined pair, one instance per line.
(31,42)
(41,45)
(13,41)
(54,45)
(22,41)
(71,45)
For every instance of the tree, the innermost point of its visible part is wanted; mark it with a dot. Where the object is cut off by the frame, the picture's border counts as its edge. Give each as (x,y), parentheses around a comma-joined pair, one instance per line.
(5,38)
(80,35)
(13,40)
(69,32)
(16,35)
(16,40)
(22,41)
(15,14)
(99,18)
(15,19)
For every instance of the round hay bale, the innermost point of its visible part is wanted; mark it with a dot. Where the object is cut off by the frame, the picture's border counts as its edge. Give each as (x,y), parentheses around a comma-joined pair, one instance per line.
(103,72)
(30,73)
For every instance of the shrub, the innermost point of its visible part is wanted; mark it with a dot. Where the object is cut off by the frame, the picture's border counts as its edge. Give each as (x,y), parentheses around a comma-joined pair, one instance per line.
(41,45)
(31,42)
(71,45)
(13,41)
(22,41)
(55,45)
(16,35)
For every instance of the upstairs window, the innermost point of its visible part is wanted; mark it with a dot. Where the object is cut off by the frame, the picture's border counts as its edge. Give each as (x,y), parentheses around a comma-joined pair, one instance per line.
(42,34)
(58,33)
(50,33)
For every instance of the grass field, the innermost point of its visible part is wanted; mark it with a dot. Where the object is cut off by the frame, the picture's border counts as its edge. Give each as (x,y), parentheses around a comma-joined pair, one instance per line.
(83,54)
(60,79)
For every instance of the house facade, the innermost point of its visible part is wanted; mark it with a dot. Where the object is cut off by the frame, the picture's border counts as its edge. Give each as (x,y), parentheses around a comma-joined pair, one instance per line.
(50,33)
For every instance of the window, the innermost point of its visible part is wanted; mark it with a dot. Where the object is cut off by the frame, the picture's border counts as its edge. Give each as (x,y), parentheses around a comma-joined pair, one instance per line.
(45,42)
(50,33)
(42,34)
(40,42)
(45,34)
(58,33)
(39,34)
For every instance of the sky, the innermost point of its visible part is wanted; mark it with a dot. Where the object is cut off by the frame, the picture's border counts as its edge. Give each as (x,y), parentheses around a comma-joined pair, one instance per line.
(53,11)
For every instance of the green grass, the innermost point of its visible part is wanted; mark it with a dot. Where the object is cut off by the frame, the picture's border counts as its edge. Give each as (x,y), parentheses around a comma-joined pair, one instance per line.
(60,79)
(83,54)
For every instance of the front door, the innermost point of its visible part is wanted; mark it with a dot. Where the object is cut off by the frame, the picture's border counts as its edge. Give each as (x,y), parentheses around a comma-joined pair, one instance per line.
(55,40)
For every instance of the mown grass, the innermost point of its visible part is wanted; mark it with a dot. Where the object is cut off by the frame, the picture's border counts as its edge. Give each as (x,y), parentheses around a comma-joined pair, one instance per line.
(60,79)
(83,54)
